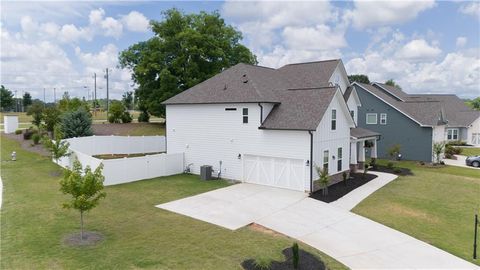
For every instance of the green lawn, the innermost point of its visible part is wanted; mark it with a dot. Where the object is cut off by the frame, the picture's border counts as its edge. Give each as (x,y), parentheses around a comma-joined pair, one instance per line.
(436,205)
(469,151)
(138,235)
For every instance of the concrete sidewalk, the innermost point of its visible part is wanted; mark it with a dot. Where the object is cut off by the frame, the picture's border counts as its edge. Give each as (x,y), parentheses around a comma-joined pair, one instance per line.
(354,197)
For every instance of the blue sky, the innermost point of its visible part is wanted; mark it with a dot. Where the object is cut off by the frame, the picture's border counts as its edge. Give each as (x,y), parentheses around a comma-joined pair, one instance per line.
(427,46)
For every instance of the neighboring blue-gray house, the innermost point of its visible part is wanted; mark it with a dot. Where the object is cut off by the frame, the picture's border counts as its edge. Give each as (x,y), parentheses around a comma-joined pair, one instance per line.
(415,122)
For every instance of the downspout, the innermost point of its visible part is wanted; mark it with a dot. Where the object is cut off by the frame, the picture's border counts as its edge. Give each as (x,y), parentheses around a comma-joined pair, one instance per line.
(261,113)
(311,161)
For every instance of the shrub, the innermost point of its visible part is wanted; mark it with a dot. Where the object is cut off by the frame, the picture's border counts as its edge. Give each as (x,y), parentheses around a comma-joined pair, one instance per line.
(51,117)
(28,133)
(76,124)
(437,150)
(18,131)
(126,117)
(263,263)
(390,165)
(397,170)
(295,255)
(457,143)
(143,117)
(115,112)
(451,150)
(394,151)
(373,163)
(345,176)
(36,138)
(323,179)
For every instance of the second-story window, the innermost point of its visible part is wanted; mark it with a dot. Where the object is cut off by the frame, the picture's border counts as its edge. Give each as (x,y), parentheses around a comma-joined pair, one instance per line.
(334,119)
(245,115)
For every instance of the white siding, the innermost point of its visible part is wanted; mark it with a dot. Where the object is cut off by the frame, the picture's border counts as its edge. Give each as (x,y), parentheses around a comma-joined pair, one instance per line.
(439,134)
(474,128)
(267,108)
(207,134)
(326,139)
(353,106)
(340,77)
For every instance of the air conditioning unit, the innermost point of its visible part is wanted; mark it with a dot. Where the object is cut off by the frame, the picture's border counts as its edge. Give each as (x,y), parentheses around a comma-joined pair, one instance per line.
(206,172)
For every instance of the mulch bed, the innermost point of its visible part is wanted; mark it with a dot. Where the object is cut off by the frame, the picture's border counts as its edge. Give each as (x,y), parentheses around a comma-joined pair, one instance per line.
(401,172)
(307,261)
(89,239)
(27,144)
(340,189)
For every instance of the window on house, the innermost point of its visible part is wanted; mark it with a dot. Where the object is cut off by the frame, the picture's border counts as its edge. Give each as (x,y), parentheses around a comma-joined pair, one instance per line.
(339,159)
(452,134)
(334,119)
(383,119)
(245,115)
(325,160)
(371,118)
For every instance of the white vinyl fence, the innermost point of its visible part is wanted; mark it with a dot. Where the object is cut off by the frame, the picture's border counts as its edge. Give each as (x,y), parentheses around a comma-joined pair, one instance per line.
(124,170)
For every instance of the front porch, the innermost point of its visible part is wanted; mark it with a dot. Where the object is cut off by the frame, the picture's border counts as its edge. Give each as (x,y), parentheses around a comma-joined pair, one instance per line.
(360,140)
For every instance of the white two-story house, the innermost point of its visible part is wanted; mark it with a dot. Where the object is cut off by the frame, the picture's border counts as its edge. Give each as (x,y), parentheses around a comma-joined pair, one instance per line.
(269,126)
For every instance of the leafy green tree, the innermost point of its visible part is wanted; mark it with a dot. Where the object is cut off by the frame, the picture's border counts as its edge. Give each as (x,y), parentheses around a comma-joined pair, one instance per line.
(51,117)
(116,111)
(36,111)
(68,104)
(359,78)
(85,188)
(58,147)
(6,98)
(186,50)
(76,124)
(27,100)
(474,103)
(127,99)
(391,82)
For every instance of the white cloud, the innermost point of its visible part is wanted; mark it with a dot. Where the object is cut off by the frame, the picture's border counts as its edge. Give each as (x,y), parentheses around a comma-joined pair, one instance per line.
(112,27)
(281,56)
(461,42)
(471,8)
(418,50)
(320,37)
(136,22)
(381,13)
(70,33)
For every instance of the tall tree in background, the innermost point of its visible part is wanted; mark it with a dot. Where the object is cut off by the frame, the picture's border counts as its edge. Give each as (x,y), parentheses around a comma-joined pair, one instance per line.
(474,103)
(391,82)
(36,111)
(27,100)
(186,50)
(6,98)
(359,78)
(127,99)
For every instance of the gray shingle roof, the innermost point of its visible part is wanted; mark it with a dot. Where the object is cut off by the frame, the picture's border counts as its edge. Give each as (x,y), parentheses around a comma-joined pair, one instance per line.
(427,109)
(301,92)
(362,133)
(392,90)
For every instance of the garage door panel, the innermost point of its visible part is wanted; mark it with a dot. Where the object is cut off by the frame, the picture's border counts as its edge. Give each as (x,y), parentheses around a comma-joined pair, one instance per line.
(274,171)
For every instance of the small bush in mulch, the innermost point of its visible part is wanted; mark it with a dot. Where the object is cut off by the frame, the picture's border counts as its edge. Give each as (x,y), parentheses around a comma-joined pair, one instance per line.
(89,239)
(18,131)
(306,261)
(340,189)
(394,170)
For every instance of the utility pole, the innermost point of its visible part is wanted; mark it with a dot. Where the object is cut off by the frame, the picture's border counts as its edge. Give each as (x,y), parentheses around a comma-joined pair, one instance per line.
(106,76)
(16,101)
(54,95)
(95,93)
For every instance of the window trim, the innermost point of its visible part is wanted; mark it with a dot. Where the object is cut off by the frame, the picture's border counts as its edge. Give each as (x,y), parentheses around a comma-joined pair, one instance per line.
(333,125)
(382,118)
(328,159)
(371,114)
(339,159)
(453,133)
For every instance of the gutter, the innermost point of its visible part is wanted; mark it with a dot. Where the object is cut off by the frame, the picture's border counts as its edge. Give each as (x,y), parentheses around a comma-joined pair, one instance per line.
(311,161)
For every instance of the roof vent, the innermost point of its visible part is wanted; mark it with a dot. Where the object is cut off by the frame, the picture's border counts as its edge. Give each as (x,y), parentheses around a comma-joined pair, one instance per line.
(245,79)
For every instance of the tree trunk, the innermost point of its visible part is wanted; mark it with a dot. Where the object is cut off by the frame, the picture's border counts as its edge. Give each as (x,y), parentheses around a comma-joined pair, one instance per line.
(81,225)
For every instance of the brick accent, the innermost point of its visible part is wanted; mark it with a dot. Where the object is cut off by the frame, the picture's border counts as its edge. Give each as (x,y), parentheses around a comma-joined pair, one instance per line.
(335,178)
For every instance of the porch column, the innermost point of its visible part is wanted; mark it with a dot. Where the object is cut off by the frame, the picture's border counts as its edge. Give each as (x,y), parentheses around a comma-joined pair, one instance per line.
(353,153)
(374,149)
(361,155)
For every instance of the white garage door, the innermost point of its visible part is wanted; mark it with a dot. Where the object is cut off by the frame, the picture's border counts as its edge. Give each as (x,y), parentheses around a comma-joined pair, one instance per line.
(274,171)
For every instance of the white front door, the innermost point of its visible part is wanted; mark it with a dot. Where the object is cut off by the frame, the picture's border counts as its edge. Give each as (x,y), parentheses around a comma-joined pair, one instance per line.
(279,172)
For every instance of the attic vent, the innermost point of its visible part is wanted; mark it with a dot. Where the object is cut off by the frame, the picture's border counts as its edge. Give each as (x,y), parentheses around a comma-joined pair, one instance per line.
(245,79)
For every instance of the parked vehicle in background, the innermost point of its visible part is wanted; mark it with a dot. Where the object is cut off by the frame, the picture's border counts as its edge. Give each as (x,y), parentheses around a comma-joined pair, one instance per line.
(473,161)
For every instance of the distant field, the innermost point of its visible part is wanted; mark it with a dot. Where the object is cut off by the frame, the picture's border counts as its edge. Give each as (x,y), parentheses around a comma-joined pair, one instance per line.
(132,129)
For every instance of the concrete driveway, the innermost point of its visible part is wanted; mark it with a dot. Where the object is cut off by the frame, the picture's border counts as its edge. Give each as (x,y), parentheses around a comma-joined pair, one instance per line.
(355,241)
(459,162)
